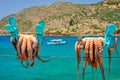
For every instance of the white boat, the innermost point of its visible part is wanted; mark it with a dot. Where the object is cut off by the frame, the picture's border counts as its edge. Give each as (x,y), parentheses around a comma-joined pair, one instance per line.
(56,41)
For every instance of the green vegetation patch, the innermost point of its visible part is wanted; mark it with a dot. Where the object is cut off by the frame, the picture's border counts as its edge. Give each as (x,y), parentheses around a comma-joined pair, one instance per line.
(107,14)
(94,26)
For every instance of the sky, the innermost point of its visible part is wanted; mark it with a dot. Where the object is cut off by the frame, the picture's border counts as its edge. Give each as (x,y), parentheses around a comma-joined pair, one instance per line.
(8,7)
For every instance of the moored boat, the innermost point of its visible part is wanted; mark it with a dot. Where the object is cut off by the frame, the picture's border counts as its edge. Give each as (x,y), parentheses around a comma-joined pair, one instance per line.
(56,41)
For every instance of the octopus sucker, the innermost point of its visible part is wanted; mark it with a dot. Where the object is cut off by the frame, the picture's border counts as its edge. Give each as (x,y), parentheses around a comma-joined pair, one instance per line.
(95,49)
(29,49)
(86,55)
(23,49)
(100,49)
(91,50)
(18,46)
(84,41)
(33,41)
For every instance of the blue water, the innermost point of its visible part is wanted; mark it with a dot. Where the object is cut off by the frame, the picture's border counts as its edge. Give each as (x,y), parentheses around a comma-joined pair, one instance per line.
(61,68)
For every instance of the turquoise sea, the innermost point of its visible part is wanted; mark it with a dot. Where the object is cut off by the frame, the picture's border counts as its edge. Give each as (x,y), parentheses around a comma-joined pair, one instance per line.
(61,67)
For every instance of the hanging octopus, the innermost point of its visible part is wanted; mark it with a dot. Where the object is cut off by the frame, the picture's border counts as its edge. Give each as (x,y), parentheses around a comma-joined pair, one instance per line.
(93,53)
(26,46)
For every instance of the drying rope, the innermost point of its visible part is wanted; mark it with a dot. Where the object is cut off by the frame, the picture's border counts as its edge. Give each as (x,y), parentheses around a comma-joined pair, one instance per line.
(55,56)
(8,56)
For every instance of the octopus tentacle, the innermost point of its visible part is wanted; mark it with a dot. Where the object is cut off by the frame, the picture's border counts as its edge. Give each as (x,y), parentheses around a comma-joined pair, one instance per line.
(84,42)
(36,49)
(100,49)
(41,60)
(102,69)
(95,49)
(109,62)
(18,46)
(86,54)
(83,69)
(24,52)
(100,58)
(101,39)
(91,50)
(110,49)
(78,46)
(114,45)
(29,49)
(34,43)
(77,50)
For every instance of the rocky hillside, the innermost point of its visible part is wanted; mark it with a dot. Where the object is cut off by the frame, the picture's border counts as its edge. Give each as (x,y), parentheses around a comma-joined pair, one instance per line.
(64,18)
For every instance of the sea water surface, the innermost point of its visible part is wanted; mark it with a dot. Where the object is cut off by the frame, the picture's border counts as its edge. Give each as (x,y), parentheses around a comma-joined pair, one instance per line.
(61,67)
